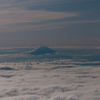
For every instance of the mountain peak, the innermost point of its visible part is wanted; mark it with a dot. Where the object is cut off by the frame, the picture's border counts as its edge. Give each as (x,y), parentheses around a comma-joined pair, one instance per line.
(42,50)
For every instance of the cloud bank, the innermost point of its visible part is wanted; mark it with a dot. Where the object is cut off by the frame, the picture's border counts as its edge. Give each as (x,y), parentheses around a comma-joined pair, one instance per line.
(45,82)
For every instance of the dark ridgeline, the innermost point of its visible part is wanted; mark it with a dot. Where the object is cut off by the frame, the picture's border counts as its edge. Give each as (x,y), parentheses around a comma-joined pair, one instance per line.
(42,50)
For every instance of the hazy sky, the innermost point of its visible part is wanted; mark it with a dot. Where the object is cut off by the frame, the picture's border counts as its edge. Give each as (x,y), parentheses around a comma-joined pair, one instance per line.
(50,22)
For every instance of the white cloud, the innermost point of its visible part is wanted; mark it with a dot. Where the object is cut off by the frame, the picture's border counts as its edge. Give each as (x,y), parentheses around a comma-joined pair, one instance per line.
(75,83)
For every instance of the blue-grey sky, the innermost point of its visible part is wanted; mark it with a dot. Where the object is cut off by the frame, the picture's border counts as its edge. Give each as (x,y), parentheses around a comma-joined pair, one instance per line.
(50,22)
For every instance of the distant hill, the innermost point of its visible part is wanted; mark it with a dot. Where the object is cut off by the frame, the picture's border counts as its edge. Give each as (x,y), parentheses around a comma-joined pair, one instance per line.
(42,50)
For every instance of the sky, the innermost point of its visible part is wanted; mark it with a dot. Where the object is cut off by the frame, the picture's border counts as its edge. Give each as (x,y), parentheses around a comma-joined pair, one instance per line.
(50,22)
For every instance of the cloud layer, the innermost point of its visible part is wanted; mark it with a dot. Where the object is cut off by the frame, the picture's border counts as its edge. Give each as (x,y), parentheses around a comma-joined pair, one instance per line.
(53,80)
(74,77)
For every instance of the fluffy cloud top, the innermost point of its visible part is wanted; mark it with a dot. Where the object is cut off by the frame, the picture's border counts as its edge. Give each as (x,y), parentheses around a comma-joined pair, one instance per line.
(50,81)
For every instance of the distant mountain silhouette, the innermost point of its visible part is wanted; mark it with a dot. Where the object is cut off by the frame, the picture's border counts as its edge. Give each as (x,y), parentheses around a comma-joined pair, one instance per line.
(42,50)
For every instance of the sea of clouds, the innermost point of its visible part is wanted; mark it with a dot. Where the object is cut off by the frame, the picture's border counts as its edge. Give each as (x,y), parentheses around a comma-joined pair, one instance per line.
(70,74)
(63,79)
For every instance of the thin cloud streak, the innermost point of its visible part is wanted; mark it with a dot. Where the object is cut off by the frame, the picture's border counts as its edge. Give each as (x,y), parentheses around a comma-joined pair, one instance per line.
(16,16)
(61,20)
(39,27)
(12,17)
(17,3)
